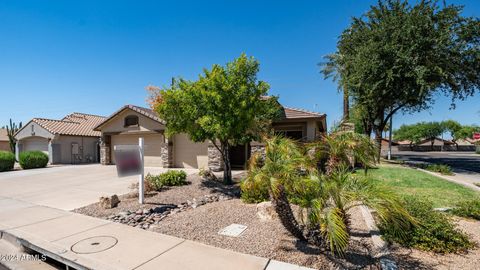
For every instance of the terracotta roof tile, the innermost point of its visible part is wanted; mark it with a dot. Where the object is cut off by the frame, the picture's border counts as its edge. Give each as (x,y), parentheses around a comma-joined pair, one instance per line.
(75,124)
(294,113)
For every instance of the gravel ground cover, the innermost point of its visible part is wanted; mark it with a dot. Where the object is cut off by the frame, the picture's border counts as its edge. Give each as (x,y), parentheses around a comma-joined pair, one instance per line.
(416,259)
(265,238)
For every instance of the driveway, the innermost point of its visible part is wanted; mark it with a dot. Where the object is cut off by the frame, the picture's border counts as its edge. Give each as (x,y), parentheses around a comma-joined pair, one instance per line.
(67,187)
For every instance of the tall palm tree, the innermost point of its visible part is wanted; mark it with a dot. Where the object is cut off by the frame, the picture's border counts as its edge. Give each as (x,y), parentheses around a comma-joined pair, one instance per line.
(334,68)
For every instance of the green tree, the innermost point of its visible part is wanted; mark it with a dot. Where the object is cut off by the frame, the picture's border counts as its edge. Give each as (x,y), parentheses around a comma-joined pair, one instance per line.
(333,68)
(398,56)
(415,133)
(226,106)
(466,132)
(12,128)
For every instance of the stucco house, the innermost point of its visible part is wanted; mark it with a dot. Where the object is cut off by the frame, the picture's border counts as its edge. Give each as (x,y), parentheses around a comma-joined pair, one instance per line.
(129,123)
(4,142)
(70,140)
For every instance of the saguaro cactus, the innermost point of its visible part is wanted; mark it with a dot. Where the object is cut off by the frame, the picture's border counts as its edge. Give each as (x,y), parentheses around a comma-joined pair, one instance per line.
(11,130)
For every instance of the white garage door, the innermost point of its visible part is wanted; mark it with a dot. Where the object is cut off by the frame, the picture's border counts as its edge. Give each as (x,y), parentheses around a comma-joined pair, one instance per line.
(35,144)
(188,154)
(152,143)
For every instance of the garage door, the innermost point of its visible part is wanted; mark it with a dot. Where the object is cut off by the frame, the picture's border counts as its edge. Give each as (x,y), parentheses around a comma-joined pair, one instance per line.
(152,143)
(188,154)
(35,144)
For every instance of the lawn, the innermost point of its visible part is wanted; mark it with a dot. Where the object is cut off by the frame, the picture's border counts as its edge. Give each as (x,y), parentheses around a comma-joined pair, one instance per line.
(407,181)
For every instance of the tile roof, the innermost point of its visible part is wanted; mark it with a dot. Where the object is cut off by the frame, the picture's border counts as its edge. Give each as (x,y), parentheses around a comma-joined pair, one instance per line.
(75,124)
(3,135)
(294,113)
(141,110)
(287,113)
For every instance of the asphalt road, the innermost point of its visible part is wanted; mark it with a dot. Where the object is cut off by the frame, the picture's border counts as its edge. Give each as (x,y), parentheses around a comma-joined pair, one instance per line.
(457,160)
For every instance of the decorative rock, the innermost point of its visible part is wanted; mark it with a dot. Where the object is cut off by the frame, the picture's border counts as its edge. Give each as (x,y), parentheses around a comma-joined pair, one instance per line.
(109,202)
(265,211)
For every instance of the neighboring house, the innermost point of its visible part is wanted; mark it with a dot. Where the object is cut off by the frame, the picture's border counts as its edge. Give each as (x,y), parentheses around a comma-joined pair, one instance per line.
(129,123)
(4,142)
(70,140)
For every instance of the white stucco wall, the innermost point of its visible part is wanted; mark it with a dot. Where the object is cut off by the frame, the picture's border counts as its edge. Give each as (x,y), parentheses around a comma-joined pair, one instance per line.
(117,124)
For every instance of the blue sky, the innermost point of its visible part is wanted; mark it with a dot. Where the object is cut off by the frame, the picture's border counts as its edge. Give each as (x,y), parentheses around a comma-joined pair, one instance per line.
(58,57)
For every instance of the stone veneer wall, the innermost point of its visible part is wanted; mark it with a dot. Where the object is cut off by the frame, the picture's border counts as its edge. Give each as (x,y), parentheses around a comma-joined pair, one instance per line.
(167,155)
(105,154)
(215,161)
(256,147)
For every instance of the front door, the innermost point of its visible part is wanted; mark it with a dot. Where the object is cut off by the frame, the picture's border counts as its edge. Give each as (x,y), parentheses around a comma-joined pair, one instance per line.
(239,155)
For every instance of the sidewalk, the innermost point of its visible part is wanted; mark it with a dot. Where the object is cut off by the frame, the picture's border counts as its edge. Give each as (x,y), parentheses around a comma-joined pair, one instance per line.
(465,178)
(84,242)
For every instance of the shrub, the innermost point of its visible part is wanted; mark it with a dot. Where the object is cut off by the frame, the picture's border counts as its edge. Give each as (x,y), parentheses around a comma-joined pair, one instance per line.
(7,161)
(468,209)
(170,178)
(435,231)
(33,159)
(439,168)
(477,150)
(254,191)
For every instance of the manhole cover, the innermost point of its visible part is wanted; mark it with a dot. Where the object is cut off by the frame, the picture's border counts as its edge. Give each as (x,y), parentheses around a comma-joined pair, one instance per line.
(94,244)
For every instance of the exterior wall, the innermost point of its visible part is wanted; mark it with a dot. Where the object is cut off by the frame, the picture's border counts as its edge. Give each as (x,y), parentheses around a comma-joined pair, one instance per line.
(116,124)
(87,149)
(4,146)
(188,154)
(33,129)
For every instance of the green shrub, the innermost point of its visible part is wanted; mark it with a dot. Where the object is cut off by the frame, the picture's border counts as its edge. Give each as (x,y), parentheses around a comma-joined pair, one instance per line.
(7,161)
(33,159)
(435,231)
(254,191)
(468,209)
(170,178)
(439,168)
(478,149)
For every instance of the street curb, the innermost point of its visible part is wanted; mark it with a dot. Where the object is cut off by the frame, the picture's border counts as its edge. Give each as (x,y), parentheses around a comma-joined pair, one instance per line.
(451,179)
(381,250)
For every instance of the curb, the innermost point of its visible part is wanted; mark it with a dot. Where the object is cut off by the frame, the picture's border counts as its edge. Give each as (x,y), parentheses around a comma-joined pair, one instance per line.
(451,179)
(381,250)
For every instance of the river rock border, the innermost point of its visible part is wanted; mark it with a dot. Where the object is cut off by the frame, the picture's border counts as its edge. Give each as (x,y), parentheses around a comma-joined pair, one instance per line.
(149,218)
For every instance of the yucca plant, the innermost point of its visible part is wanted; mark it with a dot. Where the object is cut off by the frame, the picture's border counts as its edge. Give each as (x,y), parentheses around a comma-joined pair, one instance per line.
(323,197)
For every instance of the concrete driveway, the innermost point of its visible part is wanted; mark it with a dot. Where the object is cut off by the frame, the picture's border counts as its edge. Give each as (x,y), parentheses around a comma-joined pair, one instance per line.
(67,187)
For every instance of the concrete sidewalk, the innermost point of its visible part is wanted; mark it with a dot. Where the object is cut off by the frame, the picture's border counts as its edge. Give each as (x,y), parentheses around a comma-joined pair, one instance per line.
(84,242)
(464,178)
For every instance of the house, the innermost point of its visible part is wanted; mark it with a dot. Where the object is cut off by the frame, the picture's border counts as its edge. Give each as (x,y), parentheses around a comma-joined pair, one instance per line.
(4,142)
(129,123)
(70,140)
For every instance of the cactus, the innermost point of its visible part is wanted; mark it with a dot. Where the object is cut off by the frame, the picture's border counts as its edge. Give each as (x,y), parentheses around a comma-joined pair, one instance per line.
(11,130)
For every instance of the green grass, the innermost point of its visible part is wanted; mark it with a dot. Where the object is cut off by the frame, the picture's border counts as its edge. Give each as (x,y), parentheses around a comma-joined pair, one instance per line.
(407,182)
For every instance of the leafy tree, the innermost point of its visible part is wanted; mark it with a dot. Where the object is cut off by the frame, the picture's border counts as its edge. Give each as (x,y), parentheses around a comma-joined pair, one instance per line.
(466,132)
(324,193)
(398,56)
(415,133)
(225,105)
(12,128)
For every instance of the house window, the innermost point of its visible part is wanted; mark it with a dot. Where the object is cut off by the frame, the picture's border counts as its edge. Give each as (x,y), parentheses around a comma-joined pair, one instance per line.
(291,134)
(131,121)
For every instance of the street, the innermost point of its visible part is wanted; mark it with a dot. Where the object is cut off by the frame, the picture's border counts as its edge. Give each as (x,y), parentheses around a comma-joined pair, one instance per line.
(459,161)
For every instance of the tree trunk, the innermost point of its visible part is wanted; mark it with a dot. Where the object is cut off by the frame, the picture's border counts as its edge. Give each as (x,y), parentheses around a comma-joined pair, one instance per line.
(346,105)
(227,168)
(378,142)
(285,213)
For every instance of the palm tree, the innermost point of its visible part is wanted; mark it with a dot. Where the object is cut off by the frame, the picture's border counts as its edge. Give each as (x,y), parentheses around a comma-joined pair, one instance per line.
(333,68)
(324,197)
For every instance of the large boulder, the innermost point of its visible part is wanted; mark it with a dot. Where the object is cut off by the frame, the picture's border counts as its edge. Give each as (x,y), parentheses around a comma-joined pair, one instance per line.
(265,211)
(109,202)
